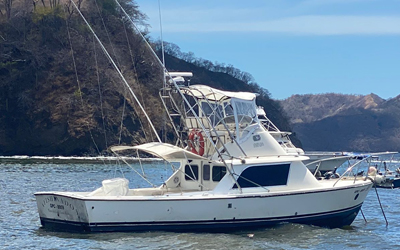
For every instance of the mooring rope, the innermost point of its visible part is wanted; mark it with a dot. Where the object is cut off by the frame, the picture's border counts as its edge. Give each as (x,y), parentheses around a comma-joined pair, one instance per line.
(362,213)
(380,204)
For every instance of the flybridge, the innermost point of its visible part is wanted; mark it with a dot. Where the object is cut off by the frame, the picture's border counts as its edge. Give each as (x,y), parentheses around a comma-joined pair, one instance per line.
(177,77)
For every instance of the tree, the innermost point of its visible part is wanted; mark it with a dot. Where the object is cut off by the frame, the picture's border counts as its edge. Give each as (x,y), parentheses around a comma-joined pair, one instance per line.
(54,3)
(7,5)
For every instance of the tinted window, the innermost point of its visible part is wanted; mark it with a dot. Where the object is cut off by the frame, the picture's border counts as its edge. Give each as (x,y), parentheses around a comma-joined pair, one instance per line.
(191,172)
(218,172)
(270,175)
(206,172)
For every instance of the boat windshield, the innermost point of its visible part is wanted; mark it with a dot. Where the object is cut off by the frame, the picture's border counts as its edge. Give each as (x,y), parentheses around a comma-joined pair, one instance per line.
(231,111)
(217,112)
(246,111)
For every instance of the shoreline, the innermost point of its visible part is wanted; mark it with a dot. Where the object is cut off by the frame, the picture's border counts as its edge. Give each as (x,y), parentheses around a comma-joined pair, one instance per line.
(25,159)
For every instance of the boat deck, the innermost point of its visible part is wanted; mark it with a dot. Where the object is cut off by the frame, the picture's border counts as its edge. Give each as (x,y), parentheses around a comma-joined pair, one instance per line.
(159,193)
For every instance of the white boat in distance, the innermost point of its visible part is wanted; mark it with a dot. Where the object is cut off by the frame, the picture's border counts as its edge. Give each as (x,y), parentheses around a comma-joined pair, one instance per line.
(321,162)
(231,174)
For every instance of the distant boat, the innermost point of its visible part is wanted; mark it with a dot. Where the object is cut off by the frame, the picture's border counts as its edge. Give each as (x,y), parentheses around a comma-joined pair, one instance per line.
(282,137)
(321,162)
(384,177)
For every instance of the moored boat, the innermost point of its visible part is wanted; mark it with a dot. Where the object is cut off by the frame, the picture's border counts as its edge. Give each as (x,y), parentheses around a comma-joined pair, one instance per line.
(230,173)
(384,177)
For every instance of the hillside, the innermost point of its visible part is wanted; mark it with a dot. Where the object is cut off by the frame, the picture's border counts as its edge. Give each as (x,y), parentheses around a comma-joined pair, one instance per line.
(336,122)
(310,108)
(59,95)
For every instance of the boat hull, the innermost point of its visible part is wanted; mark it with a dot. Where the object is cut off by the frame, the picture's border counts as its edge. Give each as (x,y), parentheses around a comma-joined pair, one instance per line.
(334,219)
(394,183)
(326,208)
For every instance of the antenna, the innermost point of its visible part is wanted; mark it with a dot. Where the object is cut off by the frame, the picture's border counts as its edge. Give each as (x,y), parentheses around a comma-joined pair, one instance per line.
(161,35)
(164,130)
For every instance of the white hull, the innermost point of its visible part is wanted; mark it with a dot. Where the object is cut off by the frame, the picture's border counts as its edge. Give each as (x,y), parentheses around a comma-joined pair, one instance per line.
(229,174)
(199,211)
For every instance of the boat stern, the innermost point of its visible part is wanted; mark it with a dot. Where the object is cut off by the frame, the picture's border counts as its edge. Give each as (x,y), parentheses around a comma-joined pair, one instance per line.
(62,211)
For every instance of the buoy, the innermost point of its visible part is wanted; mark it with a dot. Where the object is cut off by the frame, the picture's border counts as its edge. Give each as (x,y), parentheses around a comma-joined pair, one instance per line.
(196,139)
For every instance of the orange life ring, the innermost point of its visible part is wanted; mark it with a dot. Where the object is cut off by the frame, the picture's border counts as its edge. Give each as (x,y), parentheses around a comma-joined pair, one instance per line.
(196,140)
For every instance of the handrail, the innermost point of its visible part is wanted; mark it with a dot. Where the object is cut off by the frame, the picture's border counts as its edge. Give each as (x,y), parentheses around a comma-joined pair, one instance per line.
(351,168)
(327,159)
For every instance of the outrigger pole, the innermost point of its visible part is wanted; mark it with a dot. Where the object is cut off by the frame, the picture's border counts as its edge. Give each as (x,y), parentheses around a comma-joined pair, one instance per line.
(116,67)
(177,88)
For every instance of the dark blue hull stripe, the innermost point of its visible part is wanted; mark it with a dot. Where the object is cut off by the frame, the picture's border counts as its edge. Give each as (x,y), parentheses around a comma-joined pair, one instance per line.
(332,219)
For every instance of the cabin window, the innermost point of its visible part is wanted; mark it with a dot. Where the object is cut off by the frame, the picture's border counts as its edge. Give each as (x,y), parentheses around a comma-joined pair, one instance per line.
(191,172)
(218,172)
(268,175)
(206,172)
(213,111)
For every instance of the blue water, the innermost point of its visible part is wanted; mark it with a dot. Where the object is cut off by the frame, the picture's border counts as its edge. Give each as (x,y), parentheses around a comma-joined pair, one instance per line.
(20,226)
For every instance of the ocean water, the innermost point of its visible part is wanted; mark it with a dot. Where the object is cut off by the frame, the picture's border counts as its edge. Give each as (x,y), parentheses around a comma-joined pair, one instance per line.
(20,226)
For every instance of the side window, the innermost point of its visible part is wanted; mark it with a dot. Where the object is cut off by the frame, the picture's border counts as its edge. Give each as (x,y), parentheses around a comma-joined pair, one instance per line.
(213,111)
(218,172)
(191,172)
(269,175)
(206,172)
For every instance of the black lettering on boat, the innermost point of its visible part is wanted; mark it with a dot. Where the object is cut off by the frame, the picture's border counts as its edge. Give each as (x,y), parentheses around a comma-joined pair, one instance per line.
(47,200)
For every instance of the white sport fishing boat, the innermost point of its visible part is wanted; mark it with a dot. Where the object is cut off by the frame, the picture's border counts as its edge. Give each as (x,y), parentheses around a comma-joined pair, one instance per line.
(230,174)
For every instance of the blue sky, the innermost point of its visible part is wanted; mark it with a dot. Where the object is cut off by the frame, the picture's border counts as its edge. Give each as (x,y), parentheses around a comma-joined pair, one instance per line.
(291,47)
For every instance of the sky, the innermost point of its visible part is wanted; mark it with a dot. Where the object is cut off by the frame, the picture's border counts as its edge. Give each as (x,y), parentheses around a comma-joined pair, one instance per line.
(290,46)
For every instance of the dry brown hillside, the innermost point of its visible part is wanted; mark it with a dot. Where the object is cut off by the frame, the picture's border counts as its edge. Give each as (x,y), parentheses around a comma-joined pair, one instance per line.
(336,122)
(60,95)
